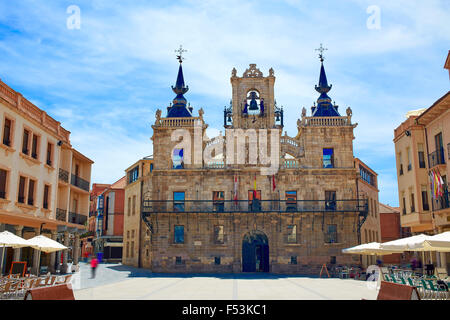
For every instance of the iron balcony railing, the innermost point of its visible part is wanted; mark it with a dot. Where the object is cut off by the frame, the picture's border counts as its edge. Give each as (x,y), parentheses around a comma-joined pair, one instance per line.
(239,206)
(79,182)
(77,218)
(442,202)
(61,214)
(436,157)
(63,175)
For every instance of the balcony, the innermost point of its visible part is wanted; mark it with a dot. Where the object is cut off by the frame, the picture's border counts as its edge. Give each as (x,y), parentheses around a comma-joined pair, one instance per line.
(415,219)
(77,218)
(442,202)
(63,175)
(79,182)
(61,215)
(401,169)
(436,158)
(255,206)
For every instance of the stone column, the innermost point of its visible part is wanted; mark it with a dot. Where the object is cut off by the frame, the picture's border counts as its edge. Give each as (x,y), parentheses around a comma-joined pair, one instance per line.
(53,255)
(18,251)
(66,243)
(36,255)
(76,249)
(443,262)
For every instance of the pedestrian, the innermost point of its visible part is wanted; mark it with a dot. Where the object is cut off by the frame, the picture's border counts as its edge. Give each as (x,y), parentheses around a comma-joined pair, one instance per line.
(94,264)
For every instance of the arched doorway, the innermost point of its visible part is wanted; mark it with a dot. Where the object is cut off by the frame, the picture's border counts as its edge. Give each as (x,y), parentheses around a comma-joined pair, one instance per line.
(255,252)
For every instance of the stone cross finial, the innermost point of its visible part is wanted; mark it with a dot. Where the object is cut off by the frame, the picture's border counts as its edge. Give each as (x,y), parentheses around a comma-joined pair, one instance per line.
(233,72)
(321,49)
(180,54)
(271,72)
(200,113)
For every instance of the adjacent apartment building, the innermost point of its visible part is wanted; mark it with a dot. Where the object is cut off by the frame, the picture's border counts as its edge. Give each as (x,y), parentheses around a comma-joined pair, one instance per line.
(422,146)
(44,181)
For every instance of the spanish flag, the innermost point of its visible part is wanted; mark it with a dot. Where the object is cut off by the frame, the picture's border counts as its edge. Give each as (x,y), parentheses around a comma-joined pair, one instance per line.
(254,188)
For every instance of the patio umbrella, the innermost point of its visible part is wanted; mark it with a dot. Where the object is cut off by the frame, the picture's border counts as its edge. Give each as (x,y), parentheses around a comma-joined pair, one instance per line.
(439,242)
(372,248)
(8,239)
(45,244)
(409,244)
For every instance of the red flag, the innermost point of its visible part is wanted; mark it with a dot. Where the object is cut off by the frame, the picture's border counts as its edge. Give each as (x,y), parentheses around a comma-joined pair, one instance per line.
(273,183)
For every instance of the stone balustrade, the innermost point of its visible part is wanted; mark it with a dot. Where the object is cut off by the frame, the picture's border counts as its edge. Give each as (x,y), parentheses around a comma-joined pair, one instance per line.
(326,121)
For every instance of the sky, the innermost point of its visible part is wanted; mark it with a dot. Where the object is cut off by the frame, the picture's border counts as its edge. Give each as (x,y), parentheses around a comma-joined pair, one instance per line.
(104,75)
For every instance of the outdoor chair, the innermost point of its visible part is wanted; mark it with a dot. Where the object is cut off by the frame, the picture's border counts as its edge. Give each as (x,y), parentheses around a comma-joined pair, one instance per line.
(58,292)
(438,291)
(441,273)
(395,291)
(52,281)
(46,281)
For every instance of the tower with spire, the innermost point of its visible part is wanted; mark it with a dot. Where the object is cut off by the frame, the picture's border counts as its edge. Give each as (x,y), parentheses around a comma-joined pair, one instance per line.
(179,108)
(324,107)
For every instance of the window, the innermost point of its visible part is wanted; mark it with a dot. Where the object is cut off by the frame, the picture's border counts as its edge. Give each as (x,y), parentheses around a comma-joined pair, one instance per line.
(366,175)
(330,200)
(421,155)
(178,261)
(132,234)
(46,194)
(7,129)
(291,200)
(128,234)
(331,236)
(35,146)
(217,260)
(132,249)
(49,154)
(412,203)
(292,234)
(133,175)
(129,206)
(25,141)
(151,167)
(134,205)
(21,195)
(425,205)
(254,205)
(218,234)
(128,250)
(328,158)
(333,260)
(400,163)
(218,201)
(404,204)
(179,234)
(3,176)
(408,153)
(293,259)
(178,201)
(366,239)
(177,159)
(31,185)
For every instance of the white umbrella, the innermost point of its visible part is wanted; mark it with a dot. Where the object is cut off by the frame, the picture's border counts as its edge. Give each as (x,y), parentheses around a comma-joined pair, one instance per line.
(406,244)
(439,242)
(43,243)
(8,239)
(372,248)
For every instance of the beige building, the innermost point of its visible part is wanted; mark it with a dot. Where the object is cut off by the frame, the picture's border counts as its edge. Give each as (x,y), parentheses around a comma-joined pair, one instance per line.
(367,186)
(136,235)
(217,214)
(44,181)
(422,145)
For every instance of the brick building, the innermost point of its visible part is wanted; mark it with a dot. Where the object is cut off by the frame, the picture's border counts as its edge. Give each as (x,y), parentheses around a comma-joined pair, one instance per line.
(239,210)
(391,229)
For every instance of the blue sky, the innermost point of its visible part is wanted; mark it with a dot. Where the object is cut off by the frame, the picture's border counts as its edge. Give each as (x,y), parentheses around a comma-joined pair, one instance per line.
(105,81)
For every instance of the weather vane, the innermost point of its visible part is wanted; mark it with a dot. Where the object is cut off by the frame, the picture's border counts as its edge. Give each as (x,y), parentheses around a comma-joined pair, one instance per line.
(180,54)
(321,49)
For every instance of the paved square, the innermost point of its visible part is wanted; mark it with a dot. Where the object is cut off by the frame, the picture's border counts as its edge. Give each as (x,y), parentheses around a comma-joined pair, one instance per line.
(118,282)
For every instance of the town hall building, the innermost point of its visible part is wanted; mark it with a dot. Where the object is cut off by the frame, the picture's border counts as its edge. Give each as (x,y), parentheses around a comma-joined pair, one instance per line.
(254,200)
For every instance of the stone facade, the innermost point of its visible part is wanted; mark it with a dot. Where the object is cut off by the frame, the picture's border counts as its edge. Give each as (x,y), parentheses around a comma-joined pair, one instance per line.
(307,210)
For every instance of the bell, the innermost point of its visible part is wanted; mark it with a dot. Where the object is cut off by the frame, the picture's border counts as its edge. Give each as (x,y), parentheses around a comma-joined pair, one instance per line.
(229,118)
(253,105)
(278,117)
